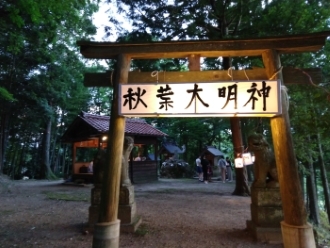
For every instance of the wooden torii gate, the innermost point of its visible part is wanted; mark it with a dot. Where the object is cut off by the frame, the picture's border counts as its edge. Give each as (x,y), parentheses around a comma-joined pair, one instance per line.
(295,229)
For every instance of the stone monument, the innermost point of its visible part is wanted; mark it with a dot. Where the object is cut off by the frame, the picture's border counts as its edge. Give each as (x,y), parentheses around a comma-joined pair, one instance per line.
(99,164)
(129,220)
(127,206)
(266,204)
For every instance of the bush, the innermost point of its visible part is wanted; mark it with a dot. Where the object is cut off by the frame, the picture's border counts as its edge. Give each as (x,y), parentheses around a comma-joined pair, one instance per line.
(175,169)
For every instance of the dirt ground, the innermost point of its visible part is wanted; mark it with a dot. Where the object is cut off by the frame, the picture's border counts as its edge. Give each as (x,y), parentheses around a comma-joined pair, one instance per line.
(178,213)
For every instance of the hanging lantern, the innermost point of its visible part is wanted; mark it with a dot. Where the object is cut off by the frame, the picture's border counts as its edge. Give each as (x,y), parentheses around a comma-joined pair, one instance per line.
(247,159)
(239,163)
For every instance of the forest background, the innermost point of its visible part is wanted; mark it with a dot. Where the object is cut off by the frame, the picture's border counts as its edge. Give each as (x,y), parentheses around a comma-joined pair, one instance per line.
(41,77)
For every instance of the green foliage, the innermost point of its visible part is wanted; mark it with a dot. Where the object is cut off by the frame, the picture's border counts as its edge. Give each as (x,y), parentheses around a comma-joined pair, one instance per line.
(5,95)
(41,77)
(322,231)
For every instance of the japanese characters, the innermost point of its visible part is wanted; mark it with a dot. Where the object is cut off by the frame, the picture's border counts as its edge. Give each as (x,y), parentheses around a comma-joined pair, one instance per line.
(202,98)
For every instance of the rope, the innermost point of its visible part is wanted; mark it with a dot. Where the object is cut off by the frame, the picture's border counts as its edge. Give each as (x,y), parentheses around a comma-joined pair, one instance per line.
(155,74)
(277,72)
(230,75)
(246,74)
(283,88)
(111,77)
(313,84)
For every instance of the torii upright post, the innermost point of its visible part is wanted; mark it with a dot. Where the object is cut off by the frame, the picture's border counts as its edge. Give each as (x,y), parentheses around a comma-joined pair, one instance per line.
(296,232)
(106,231)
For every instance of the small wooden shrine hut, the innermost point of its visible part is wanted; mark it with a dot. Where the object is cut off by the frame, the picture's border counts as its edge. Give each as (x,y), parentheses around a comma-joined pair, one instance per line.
(212,154)
(171,150)
(88,133)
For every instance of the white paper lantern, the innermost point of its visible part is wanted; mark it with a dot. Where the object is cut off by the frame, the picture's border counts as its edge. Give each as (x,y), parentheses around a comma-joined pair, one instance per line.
(239,163)
(247,158)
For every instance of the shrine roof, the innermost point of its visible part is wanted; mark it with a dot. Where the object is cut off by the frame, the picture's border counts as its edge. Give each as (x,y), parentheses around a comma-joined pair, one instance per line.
(90,125)
(172,148)
(205,48)
(213,150)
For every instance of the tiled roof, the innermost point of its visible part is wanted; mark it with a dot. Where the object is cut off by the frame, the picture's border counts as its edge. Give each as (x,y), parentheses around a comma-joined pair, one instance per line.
(133,126)
(99,122)
(213,150)
(172,148)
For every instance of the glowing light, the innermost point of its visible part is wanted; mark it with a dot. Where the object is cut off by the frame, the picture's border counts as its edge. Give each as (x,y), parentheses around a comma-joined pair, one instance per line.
(225,99)
(247,158)
(239,163)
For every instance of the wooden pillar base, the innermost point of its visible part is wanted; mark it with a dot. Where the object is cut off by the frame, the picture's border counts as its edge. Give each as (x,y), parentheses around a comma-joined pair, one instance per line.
(106,235)
(298,236)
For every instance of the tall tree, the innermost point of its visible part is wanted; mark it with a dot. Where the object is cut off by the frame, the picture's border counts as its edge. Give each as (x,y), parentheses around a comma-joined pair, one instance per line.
(40,64)
(314,214)
(324,179)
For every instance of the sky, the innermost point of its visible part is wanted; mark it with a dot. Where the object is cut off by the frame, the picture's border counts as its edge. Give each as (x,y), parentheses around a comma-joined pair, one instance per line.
(100,20)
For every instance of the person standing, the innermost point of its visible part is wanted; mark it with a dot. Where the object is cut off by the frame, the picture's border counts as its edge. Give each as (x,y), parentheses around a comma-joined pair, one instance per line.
(229,169)
(222,167)
(205,164)
(209,171)
(90,167)
(199,169)
(138,158)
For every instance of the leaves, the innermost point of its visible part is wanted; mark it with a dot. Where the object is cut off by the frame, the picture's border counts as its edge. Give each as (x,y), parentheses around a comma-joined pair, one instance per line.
(172,20)
(41,68)
(5,95)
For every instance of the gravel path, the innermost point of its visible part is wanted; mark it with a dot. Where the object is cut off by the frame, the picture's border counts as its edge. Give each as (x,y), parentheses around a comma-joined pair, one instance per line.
(178,213)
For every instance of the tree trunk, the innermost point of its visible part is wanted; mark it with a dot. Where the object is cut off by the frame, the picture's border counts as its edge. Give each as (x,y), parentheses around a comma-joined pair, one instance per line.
(13,160)
(194,65)
(21,161)
(302,180)
(250,168)
(241,187)
(46,150)
(2,147)
(314,214)
(52,155)
(62,164)
(3,139)
(324,178)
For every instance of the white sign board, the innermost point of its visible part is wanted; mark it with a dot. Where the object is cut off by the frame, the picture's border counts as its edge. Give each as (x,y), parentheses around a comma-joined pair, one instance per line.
(231,98)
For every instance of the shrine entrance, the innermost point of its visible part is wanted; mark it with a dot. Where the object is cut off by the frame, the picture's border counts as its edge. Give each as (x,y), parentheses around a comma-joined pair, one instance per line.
(295,230)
